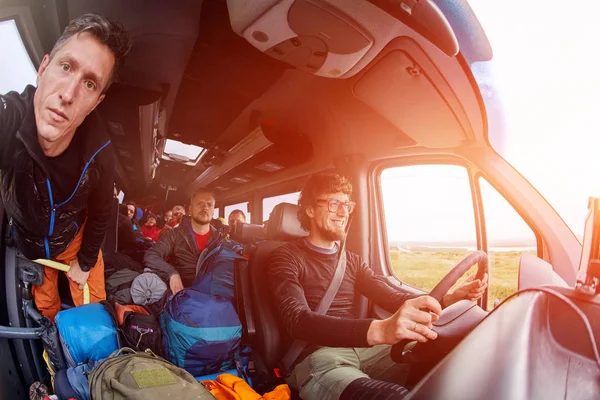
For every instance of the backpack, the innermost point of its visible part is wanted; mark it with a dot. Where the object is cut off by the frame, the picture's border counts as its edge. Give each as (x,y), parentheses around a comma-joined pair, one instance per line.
(214,273)
(86,333)
(201,333)
(138,328)
(73,383)
(118,286)
(143,376)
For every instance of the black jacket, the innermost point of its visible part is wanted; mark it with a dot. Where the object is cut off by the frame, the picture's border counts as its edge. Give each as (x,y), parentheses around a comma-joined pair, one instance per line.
(179,247)
(41,227)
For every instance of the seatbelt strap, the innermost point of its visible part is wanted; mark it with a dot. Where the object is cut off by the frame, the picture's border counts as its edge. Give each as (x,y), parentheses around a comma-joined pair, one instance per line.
(294,351)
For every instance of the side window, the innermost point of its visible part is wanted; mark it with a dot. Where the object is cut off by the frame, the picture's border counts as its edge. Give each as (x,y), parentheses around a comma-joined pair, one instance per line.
(216,213)
(269,203)
(508,236)
(430,221)
(16,68)
(239,206)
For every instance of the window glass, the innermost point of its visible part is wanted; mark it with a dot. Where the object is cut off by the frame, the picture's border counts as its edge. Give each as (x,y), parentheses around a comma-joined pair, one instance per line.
(16,68)
(429,220)
(269,203)
(216,213)
(239,206)
(508,236)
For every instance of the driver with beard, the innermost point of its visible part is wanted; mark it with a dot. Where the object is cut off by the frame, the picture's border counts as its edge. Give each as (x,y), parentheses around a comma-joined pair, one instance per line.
(346,356)
(183,245)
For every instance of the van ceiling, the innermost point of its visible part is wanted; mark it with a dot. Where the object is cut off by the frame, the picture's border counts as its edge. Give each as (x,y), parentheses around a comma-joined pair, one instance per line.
(216,88)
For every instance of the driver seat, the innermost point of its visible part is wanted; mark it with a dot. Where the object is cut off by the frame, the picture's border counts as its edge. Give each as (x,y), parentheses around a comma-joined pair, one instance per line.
(265,338)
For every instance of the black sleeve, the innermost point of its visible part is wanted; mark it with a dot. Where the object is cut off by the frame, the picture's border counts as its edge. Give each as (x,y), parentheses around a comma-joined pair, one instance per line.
(155,256)
(126,240)
(377,289)
(12,112)
(299,320)
(99,210)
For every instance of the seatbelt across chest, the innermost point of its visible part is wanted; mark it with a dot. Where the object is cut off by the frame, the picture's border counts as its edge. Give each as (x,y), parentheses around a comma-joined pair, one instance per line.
(338,276)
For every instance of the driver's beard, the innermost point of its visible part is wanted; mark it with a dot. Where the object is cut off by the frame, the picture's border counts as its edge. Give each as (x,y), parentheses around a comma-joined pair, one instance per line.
(333,235)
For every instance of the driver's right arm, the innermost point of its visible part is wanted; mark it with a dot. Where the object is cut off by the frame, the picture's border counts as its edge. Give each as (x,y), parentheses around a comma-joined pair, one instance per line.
(12,112)
(412,321)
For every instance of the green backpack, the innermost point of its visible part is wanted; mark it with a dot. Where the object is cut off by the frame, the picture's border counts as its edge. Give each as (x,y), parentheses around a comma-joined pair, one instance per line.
(127,374)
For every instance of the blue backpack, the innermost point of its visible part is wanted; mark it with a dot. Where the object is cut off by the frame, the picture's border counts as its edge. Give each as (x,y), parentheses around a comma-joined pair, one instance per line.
(201,333)
(215,269)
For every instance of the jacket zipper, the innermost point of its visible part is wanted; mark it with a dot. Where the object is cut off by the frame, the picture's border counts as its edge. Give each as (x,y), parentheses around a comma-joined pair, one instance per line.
(53,207)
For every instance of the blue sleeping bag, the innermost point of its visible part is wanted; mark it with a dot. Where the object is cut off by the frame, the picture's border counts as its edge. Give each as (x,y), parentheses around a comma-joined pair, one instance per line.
(86,333)
(201,333)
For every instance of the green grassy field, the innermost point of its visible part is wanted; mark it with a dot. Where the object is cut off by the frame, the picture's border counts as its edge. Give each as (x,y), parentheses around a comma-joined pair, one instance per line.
(423,269)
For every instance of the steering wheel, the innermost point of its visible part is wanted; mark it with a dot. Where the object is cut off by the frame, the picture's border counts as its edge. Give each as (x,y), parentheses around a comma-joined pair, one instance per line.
(479,257)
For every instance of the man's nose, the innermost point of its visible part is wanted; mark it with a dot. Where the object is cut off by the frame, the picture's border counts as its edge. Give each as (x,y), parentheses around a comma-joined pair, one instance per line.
(67,94)
(342,210)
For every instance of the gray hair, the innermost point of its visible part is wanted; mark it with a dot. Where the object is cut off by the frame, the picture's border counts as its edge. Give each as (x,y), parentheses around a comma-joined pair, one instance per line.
(112,34)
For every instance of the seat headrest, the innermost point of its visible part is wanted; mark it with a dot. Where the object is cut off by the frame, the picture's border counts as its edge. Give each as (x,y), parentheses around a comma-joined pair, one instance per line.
(283,223)
(247,233)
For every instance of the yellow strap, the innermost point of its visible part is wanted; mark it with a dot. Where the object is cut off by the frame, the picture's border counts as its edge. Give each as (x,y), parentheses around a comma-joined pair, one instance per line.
(65,268)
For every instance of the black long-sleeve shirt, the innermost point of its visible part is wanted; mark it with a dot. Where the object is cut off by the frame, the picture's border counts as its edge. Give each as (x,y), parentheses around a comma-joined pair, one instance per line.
(300,276)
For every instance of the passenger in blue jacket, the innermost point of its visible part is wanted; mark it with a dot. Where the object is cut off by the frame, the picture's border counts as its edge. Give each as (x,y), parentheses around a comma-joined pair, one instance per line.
(56,163)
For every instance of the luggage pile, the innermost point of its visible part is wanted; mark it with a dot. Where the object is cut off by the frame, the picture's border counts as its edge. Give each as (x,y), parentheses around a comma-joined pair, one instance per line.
(145,344)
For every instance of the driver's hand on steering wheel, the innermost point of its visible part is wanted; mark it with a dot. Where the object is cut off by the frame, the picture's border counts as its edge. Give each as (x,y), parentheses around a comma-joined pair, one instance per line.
(413,321)
(469,289)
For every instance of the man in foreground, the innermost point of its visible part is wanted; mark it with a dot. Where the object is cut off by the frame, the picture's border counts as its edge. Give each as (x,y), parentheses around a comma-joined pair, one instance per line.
(346,355)
(56,163)
(183,245)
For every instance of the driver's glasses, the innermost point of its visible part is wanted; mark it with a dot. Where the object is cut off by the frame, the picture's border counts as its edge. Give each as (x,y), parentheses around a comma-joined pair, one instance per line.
(333,205)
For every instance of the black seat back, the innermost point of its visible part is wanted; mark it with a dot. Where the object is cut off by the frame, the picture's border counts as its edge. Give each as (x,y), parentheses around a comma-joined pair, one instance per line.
(283,226)
(111,238)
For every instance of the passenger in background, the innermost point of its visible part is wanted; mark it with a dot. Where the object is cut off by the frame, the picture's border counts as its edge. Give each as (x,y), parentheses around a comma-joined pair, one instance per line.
(183,244)
(150,230)
(132,214)
(176,214)
(235,216)
(168,216)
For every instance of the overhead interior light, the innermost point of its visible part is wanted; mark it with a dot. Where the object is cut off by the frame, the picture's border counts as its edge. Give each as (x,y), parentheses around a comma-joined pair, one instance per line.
(269,167)
(221,188)
(248,147)
(238,179)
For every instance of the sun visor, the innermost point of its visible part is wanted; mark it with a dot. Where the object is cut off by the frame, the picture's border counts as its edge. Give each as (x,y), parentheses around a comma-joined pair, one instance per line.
(403,91)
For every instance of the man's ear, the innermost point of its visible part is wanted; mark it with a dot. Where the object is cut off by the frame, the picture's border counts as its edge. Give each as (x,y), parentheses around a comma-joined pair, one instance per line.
(42,68)
(310,212)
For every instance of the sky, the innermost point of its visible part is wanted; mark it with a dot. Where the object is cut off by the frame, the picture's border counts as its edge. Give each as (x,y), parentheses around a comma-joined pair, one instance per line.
(545,67)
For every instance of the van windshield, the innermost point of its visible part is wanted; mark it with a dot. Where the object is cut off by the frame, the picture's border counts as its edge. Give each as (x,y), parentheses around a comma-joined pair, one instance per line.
(541,94)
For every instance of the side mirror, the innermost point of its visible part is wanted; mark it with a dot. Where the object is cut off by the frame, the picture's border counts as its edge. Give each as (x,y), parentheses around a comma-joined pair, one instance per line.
(588,278)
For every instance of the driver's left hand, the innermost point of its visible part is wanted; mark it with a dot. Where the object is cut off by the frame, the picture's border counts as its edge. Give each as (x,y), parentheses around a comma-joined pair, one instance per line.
(469,289)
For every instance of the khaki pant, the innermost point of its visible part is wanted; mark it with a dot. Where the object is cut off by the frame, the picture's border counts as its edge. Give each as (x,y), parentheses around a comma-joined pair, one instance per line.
(325,374)
(46,296)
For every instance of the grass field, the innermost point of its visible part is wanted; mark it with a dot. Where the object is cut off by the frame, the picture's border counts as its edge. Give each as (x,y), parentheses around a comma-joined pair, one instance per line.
(423,269)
